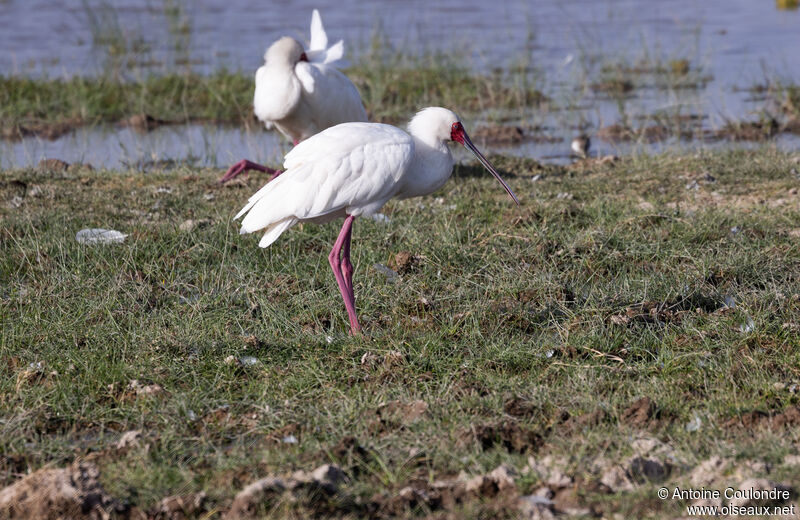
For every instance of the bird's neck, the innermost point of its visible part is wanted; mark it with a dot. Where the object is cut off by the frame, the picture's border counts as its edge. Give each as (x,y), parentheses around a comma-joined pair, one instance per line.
(430,168)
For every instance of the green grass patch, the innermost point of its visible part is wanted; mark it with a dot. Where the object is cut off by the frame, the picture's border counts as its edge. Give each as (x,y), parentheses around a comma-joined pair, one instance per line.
(670,277)
(391,92)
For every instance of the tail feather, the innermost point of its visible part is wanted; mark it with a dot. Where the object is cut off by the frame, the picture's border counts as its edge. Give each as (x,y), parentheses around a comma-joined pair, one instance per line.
(260,194)
(267,216)
(275,230)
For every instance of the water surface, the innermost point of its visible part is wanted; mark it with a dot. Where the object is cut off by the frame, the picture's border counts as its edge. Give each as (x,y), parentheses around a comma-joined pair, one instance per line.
(565,44)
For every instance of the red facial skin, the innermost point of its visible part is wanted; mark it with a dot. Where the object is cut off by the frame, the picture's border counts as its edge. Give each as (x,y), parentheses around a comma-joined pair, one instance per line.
(459,135)
(457,132)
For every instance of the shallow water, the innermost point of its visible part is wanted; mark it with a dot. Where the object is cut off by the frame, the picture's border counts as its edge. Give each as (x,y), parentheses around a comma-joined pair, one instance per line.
(733,43)
(122,148)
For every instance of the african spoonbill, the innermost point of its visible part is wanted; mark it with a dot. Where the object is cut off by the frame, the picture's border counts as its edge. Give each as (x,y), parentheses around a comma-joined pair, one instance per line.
(353,169)
(300,92)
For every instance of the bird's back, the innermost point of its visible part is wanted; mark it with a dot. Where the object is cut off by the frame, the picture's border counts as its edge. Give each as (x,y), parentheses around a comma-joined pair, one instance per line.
(328,98)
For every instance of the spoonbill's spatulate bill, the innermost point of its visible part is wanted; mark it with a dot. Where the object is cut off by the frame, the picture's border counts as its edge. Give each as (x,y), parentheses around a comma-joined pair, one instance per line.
(300,92)
(353,169)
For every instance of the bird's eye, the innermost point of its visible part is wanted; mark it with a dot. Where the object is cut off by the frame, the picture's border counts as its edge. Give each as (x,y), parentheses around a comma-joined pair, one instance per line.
(457,132)
(303,57)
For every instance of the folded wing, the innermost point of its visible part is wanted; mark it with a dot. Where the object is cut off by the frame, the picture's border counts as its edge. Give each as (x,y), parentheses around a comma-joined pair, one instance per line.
(352,168)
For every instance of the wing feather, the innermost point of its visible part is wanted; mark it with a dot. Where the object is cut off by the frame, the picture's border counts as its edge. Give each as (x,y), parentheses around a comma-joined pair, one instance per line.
(331,97)
(352,167)
(319,39)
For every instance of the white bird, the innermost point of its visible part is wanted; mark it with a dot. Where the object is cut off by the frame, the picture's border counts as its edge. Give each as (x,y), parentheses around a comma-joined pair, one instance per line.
(300,92)
(353,169)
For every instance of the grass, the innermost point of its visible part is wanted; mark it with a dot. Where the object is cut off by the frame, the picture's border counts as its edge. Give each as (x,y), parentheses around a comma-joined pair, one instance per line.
(223,97)
(671,277)
(391,91)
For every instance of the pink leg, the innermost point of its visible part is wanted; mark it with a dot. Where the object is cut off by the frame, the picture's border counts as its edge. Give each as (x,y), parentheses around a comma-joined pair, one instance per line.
(243,166)
(347,268)
(345,281)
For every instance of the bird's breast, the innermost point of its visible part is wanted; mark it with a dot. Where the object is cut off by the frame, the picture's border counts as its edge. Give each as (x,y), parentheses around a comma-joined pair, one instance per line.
(428,172)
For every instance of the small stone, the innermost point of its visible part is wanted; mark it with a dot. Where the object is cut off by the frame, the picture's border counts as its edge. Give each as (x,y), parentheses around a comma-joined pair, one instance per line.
(475,484)
(694,425)
(188,225)
(533,507)
(708,471)
(154,389)
(145,390)
(747,469)
(791,460)
(389,273)
(616,479)
(38,191)
(393,358)
(248,361)
(503,476)
(369,358)
(71,492)
(129,439)
(99,236)
(558,479)
(248,500)
(329,473)
(566,501)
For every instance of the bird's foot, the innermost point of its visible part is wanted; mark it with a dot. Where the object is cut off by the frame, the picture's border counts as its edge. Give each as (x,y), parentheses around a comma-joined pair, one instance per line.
(243,166)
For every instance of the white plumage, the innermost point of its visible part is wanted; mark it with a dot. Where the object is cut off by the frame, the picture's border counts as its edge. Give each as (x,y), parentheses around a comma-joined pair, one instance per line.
(353,169)
(348,169)
(301,92)
(318,50)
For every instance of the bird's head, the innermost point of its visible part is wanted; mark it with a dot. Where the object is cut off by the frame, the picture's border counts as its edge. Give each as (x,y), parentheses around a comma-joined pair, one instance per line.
(286,51)
(445,126)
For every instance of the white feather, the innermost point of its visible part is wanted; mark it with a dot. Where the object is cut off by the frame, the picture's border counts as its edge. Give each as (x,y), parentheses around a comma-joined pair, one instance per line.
(335,52)
(301,98)
(318,50)
(352,168)
(319,40)
(275,230)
